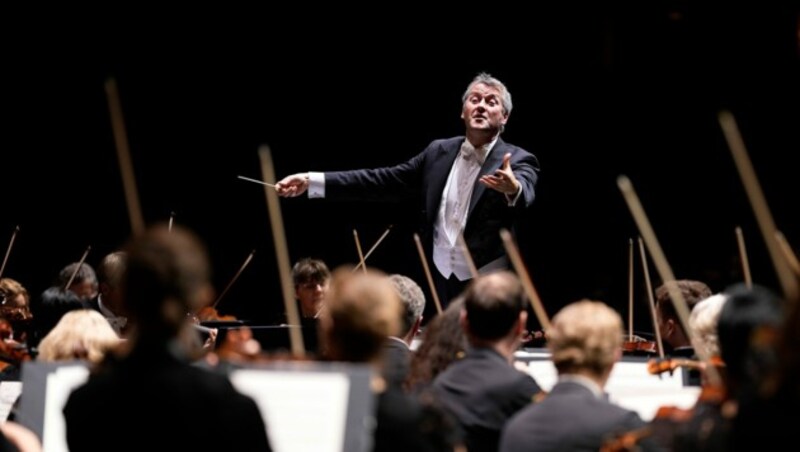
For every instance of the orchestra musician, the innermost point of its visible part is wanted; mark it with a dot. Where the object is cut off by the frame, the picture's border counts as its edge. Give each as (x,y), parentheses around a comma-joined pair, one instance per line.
(167,275)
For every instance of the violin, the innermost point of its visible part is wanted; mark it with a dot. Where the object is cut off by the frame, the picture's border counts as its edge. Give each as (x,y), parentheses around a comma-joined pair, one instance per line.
(658,366)
(210,314)
(538,337)
(637,345)
(11,351)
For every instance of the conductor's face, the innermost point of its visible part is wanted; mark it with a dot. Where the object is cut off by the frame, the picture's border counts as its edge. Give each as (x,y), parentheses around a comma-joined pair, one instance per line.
(483,109)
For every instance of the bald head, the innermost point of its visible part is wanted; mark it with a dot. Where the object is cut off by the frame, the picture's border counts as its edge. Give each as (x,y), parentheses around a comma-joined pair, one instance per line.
(493,304)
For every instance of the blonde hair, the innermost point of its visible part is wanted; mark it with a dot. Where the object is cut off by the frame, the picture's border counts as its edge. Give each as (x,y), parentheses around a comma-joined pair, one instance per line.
(585,335)
(703,324)
(362,310)
(80,334)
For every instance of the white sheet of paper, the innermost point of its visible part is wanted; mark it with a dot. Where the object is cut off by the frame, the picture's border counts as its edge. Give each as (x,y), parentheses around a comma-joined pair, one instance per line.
(631,386)
(304,411)
(59,386)
(9,393)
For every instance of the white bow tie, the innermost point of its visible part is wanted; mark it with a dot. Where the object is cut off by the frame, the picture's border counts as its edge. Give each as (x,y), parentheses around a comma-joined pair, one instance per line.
(469,152)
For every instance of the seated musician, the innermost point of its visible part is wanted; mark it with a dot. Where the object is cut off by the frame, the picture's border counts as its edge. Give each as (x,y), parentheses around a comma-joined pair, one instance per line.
(311,278)
(362,311)
(82,334)
(483,390)
(15,306)
(585,340)
(109,297)
(676,341)
(167,275)
(397,354)
(444,342)
(83,280)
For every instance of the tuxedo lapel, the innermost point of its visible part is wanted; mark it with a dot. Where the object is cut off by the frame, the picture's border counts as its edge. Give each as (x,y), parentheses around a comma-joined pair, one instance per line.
(492,163)
(439,170)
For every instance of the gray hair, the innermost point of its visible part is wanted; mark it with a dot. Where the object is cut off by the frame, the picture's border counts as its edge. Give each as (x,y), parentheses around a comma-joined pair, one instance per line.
(412,297)
(488,80)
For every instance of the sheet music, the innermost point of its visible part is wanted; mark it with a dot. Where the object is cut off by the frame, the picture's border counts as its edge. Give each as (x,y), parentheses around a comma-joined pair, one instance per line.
(59,386)
(9,393)
(304,411)
(630,386)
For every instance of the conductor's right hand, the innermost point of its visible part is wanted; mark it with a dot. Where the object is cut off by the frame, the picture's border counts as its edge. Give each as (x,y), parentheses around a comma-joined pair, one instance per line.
(291,186)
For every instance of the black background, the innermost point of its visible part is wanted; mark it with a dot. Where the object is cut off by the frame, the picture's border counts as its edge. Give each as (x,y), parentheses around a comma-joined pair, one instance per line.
(598,92)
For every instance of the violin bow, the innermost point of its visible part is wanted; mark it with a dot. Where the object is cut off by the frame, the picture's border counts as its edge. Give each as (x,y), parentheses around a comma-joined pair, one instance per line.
(281,252)
(361,264)
(77,267)
(235,277)
(525,279)
(427,270)
(8,250)
(650,302)
(748,280)
(758,202)
(662,266)
(630,290)
(374,247)
(786,249)
(124,157)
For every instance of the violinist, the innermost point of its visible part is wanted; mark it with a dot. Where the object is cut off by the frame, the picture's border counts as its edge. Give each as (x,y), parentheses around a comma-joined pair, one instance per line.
(676,341)
(670,422)
(81,278)
(483,389)
(759,347)
(397,351)
(108,301)
(363,311)
(312,280)
(15,307)
(585,339)
(167,275)
(80,335)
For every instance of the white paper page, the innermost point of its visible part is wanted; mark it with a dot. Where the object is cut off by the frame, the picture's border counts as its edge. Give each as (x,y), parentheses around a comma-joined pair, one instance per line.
(59,386)
(9,393)
(304,411)
(631,386)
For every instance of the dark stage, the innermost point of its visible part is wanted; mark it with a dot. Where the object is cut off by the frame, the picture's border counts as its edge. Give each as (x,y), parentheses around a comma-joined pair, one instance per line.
(597,93)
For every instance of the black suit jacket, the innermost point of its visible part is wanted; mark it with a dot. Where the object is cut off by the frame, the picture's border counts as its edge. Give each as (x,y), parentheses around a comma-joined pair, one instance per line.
(570,418)
(425,176)
(482,391)
(396,362)
(152,399)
